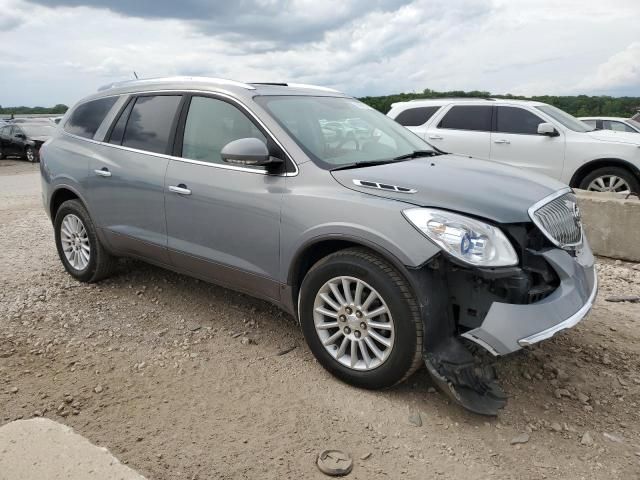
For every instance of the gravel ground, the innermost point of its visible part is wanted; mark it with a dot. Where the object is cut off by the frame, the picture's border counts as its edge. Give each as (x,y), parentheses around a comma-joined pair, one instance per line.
(181,379)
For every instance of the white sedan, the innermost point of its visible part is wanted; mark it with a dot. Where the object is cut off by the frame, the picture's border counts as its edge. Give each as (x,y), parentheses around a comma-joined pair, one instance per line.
(617,124)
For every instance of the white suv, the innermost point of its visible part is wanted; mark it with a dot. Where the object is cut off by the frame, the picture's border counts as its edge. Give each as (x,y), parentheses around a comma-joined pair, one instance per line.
(530,135)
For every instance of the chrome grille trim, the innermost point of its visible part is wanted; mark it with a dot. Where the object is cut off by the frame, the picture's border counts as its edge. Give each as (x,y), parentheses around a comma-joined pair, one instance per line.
(556,220)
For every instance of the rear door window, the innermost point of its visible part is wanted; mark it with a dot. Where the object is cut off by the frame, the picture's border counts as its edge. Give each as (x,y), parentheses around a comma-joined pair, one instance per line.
(468,117)
(150,124)
(517,120)
(414,117)
(86,118)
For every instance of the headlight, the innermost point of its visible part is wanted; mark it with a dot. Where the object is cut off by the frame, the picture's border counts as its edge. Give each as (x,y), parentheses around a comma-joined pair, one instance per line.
(467,239)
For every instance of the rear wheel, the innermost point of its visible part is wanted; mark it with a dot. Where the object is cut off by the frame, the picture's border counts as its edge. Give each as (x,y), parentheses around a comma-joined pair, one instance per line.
(1,154)
(611,179)
(361,319)
(79,248)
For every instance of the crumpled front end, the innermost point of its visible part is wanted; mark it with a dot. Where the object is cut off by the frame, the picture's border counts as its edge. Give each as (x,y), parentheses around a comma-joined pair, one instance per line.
(505,309)
(507,327)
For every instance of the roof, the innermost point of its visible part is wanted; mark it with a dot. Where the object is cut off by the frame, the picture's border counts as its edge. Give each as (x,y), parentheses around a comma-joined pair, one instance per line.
(467,101)
(619,119)
(213,85)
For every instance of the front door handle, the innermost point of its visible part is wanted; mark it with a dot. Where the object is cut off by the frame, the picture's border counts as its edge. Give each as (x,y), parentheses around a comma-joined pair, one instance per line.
(180,189)
(103,172)
(502,141)
(435,137)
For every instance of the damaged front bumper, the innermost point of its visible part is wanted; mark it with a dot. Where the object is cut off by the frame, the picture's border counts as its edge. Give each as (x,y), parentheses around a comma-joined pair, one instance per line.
(508,327)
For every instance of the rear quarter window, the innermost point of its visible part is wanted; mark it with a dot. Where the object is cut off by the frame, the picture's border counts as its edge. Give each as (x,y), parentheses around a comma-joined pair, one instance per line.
(86,118)
(414,117)
(468,117)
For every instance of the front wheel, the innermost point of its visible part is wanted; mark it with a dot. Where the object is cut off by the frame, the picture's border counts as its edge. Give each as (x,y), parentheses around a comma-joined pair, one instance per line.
(361,320)
(31,155)
(79,248)
(611,179)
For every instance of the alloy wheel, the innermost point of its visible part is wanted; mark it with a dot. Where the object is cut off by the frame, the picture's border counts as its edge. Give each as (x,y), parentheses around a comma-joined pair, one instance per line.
(609,183)
(75,242)
(353,323)
(31,155)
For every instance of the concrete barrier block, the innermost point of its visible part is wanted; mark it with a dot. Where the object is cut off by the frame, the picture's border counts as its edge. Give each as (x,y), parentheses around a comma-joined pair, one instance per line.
(43,449)
(612,224)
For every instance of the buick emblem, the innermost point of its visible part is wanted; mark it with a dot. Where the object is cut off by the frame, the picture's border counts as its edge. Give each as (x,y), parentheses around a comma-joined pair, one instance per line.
(577,217)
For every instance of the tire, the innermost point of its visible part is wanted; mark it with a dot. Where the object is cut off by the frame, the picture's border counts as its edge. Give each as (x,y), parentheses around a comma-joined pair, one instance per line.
(1,154)
(31,155)
(100,264)
(378,276)
(605,174)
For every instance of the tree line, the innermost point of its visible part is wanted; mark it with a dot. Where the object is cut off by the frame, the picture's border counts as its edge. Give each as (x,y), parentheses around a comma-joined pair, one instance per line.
(57,110)
(578,105)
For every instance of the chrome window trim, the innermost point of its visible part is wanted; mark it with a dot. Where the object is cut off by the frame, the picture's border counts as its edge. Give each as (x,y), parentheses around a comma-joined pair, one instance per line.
(548,199)
(211,94)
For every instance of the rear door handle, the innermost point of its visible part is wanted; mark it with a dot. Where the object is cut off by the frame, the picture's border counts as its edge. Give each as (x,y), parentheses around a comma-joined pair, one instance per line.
(502,141)
(180,189)
(103,172)
(435,137)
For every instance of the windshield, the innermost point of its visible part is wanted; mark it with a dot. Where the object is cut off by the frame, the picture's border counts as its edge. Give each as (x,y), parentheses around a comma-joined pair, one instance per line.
(337,131)
(633,123)
(569,121)
(37,130)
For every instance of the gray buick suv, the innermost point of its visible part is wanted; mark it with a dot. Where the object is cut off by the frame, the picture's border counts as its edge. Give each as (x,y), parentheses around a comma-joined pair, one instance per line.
(387,251)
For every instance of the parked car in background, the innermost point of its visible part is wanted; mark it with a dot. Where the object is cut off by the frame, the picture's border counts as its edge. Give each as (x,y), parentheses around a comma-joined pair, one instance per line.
(388,252)
(530,135)
(24,140)
(617,124)
(47,120)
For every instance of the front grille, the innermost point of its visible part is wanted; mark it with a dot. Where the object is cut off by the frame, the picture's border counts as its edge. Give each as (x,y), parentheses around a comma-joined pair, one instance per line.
(559,219)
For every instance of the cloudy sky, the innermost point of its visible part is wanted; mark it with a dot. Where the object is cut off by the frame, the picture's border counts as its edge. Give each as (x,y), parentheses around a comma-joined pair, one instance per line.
(57,51)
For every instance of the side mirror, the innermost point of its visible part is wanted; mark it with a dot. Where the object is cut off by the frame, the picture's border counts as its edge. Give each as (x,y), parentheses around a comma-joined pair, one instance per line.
(547,129)
(248,151)
(20,136)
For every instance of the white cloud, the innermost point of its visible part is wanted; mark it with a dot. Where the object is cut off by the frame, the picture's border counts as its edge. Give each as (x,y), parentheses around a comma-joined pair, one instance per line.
(620,71)
(52,55)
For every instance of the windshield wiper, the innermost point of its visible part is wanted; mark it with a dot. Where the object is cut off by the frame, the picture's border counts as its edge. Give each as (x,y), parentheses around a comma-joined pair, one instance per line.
(364,163)
(371,163)
(416,154)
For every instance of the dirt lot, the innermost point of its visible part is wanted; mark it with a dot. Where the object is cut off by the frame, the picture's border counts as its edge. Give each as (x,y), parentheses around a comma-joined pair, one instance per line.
(182,379)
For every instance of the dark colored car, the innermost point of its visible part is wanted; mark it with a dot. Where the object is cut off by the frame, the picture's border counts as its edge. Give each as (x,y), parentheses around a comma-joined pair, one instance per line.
(24,140)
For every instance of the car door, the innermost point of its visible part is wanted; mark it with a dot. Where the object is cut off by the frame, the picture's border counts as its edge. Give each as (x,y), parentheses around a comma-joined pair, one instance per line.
(126,181)
(223,221)
(463,129)
(516,141)
(18,140)
(4,139)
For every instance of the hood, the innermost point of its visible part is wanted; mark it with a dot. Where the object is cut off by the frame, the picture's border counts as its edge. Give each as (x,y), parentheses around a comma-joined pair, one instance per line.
(480,188)
(39,139)
(616,137)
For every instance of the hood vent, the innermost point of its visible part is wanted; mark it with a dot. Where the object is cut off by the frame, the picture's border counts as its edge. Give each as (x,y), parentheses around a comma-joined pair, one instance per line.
(383,186)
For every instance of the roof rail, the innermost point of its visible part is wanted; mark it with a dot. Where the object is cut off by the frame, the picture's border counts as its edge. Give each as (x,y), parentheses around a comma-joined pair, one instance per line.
(150,81)
(489,99)
(297,85)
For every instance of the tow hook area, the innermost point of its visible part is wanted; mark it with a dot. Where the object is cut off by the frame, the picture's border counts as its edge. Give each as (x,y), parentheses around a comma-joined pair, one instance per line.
(469,382)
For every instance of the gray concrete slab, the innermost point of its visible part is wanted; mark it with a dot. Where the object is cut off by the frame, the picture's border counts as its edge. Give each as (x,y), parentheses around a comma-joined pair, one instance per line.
(41,449)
